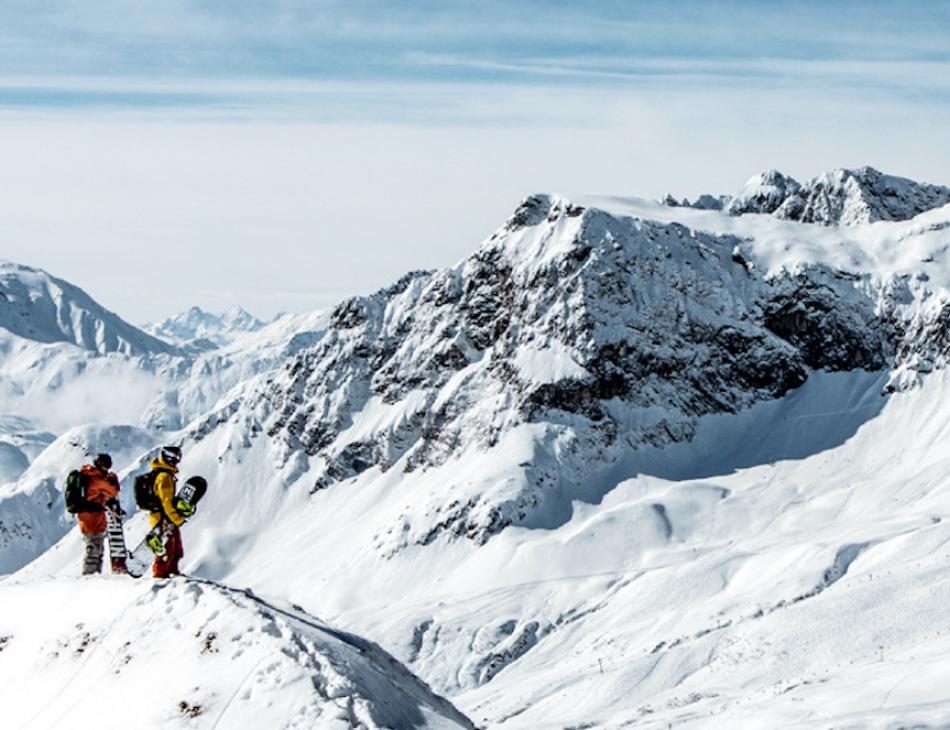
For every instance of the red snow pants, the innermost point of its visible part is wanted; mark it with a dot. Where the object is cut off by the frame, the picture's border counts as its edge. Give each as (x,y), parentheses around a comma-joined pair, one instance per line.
(167,564)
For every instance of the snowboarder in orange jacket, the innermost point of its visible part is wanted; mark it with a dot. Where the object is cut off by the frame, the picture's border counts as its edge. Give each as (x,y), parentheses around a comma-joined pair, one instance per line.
(101,490)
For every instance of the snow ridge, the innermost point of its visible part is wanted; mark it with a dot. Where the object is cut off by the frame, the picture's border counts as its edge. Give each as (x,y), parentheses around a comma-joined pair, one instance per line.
(40,307)
(225,657)
(840,197)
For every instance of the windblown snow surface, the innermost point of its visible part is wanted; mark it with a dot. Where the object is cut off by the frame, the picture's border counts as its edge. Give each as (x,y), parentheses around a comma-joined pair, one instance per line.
(627,465)
(113,653)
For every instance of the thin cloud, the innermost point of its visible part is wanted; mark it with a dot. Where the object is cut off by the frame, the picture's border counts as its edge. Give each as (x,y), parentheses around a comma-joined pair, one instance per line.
(284,154)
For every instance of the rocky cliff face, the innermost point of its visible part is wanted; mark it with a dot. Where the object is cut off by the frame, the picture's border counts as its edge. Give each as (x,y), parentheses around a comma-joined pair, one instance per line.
(598,333)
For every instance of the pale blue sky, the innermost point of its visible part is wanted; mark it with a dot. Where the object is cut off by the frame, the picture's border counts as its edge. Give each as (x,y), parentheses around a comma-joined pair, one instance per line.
(284,154)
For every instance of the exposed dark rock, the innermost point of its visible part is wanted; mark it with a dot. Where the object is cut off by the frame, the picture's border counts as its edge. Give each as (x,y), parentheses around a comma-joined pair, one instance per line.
(612,333)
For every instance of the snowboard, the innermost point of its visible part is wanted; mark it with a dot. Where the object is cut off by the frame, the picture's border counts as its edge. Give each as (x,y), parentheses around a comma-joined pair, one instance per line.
(118,553)
(141,557)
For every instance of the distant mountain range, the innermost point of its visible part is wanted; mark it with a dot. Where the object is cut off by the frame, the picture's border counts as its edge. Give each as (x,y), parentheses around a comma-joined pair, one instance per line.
(197,327)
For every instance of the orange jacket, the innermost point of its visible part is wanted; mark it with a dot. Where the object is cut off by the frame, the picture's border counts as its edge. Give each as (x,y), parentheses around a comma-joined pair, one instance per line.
(164,487)
(100,488)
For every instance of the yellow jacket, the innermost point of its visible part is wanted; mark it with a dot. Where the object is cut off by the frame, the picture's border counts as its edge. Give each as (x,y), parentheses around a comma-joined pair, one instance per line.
(165,490)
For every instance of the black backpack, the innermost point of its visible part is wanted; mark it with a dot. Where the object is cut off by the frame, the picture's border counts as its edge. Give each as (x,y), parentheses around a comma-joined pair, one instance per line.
(75,492)
(144,488)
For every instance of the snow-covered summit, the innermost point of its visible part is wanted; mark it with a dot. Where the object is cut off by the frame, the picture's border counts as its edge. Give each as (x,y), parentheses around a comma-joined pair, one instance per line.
(37,306)
(845,197)
(191,653)
(199,325)
(763,193)
(864,195)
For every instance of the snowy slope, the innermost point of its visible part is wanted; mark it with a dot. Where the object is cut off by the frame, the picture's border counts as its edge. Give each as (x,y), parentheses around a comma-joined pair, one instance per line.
(475,438)
(57,385)
(748,578)
(20,443)
(193,654)
(198,325)
(196,388)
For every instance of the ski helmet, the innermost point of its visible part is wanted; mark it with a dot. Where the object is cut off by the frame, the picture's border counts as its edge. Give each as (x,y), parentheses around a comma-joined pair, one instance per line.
(103,461)
(171,455)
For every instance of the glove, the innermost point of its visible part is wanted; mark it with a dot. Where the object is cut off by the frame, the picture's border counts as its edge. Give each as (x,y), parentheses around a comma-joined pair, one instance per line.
(155,544)
(185,509)
(113,505)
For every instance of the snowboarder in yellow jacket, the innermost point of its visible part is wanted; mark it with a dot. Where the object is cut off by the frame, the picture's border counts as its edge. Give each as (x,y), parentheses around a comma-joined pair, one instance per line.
(166,479)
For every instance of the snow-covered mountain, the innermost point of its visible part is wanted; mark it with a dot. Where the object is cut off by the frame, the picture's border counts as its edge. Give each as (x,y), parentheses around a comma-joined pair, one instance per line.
(591,333)
(197,327)
(485,425)
(66,360)
(840,197)
(626,464)
(194,386)
(42,308)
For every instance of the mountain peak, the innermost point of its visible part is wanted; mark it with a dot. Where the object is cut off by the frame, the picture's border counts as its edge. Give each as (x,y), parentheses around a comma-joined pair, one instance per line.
(38,306)
(842,196)
(763,193)
(864,195)
(198,324)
